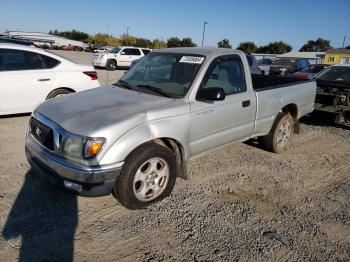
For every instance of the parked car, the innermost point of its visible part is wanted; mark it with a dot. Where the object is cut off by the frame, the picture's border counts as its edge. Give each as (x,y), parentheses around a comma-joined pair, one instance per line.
(309,72)
(118,57)
(67,48)
(103,49)
(286,66)
(333,93)
(264,65)
(253,66)
(174,105)
(91,48)
(30,75)
(78,48)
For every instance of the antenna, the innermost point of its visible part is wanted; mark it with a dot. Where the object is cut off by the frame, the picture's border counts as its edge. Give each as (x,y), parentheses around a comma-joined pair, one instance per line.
(107,54)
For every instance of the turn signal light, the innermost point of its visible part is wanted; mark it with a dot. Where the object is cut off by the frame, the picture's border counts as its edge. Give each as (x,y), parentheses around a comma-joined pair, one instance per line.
(92,147)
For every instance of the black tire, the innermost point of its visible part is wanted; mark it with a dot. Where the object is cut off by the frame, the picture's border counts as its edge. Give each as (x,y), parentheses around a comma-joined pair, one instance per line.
(125,186)
(58,92)
(277,140)
(111,65)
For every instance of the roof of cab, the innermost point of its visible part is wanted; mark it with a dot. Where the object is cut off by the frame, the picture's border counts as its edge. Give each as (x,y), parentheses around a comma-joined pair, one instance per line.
(206,51)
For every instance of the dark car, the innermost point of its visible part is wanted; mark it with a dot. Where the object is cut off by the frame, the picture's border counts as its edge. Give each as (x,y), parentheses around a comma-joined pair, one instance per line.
(333,93)
(286,66)
(309,72)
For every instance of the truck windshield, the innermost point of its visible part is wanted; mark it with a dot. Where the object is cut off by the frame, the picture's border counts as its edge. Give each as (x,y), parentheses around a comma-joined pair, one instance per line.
(170,74)
(336,73)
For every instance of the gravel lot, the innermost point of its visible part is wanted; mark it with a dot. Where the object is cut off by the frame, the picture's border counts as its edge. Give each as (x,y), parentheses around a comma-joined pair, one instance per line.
(241,203)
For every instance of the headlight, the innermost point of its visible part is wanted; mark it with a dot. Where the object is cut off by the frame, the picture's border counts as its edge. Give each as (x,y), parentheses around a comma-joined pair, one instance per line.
(73,146)
(79,147)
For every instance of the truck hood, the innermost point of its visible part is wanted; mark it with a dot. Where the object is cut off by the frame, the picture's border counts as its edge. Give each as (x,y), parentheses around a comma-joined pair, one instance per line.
(87,112)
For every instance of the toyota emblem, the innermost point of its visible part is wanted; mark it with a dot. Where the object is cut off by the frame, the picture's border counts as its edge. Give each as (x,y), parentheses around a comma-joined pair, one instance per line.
(38,131)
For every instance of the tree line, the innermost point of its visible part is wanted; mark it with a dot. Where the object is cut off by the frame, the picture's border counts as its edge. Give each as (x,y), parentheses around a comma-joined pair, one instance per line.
(278,47)
(124,40)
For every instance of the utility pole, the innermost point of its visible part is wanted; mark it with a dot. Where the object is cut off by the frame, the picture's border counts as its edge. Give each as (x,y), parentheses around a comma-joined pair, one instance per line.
(344,41)
(127,31)
(203,32)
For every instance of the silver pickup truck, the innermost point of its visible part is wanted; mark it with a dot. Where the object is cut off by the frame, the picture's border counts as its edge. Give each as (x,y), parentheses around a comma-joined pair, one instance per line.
(136,138)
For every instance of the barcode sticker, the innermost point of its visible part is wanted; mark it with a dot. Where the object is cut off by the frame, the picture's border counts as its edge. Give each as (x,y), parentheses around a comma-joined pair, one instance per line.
(192,59)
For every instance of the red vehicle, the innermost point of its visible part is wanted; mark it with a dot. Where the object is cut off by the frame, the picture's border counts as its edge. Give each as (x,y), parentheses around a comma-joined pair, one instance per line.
(68,48)
(309,72)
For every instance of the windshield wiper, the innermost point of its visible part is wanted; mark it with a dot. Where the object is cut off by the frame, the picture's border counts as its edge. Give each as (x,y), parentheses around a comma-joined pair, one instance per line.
(122,83)
(155,90)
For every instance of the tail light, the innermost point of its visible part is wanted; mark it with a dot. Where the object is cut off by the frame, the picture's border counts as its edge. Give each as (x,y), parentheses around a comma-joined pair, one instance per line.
(92,74)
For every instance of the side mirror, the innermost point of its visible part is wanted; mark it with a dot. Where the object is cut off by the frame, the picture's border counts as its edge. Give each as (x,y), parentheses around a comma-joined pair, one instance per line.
(122,53)
(211,94)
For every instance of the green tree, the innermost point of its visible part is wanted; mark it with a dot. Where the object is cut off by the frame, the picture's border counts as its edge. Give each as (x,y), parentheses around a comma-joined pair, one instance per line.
(157,44)
(247,47)
(127,40)
(274,48)
(142,42)
(173,42)
(104,39)
(320,45)
(187,42)
(224,43)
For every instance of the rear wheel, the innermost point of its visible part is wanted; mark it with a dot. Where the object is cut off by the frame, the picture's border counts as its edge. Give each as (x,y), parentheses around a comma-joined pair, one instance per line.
(148,175)
(111,65)
(58,93)
(280,134)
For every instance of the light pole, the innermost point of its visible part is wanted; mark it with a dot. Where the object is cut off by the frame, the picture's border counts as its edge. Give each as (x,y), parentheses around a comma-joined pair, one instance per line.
(203,32)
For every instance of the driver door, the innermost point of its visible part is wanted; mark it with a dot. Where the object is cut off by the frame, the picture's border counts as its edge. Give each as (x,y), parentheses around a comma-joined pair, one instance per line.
(216,123)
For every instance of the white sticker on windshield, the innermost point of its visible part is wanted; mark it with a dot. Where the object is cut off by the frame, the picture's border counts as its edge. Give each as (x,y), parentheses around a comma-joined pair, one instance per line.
(192,59)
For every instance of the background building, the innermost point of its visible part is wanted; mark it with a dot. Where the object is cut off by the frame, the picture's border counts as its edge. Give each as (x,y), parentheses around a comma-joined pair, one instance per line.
(42,38)
(313,57)
(337,56)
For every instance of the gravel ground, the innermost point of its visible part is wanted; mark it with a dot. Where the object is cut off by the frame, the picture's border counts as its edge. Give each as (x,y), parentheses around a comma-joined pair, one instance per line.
(240,203)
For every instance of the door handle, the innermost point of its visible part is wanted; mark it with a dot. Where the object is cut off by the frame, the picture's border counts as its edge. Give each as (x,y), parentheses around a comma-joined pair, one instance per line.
(43,79)
(246,103)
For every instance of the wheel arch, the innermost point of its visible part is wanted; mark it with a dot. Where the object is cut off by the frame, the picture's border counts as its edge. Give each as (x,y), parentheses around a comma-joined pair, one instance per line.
(292,109)
(60,88)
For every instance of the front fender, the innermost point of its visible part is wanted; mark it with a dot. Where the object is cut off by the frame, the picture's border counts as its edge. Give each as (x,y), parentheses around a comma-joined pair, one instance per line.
(177,128)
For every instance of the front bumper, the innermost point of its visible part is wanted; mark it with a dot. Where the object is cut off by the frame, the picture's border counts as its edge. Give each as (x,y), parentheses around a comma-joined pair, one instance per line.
(101,63)
(82,180)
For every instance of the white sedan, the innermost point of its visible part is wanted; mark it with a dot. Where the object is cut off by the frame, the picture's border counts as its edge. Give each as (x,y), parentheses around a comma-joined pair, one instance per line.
(29,76)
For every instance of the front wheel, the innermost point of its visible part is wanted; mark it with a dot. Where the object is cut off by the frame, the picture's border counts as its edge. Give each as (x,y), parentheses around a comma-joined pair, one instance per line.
(148,175)
(280,134)
(111,65)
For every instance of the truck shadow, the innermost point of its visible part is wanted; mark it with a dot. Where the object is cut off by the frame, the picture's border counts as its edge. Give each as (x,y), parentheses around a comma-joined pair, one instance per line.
(45,218)
(321,119)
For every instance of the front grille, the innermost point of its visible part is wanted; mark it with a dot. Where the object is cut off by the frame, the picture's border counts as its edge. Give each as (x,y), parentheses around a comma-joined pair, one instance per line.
(42,133)
(275,70)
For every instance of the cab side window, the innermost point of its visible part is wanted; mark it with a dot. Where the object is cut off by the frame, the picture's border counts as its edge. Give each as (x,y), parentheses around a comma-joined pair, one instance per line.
(227,73)
(131,51)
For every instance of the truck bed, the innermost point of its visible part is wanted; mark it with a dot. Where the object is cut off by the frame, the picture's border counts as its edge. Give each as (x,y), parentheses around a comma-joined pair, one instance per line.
(266,82)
